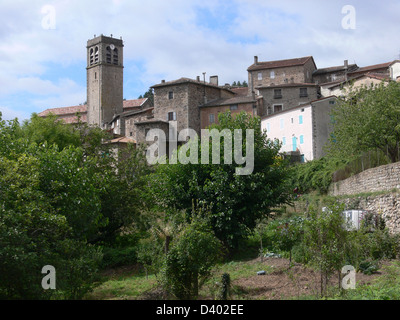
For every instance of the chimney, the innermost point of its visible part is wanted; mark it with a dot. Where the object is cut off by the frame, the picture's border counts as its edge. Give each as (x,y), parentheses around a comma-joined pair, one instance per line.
(162,81)
(255,60)
(198,78)
(214,80)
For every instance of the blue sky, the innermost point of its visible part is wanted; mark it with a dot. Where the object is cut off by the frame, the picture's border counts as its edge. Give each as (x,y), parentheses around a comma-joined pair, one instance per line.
(43,43)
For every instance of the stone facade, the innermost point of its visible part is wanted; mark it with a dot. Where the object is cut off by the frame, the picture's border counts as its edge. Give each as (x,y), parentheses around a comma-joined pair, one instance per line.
(286,96)
(269,73)
(209,113)
(178,103)
(333,74)
(383,178)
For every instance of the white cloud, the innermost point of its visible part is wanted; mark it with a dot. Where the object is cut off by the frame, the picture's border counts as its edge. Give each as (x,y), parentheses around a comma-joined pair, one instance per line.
(171,40)
(9,114)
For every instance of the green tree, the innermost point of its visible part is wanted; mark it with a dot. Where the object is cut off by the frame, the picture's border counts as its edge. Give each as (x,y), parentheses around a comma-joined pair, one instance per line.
(148,94)
(189,261)
(326,239)
(367,119)
(236,201)
(286,233)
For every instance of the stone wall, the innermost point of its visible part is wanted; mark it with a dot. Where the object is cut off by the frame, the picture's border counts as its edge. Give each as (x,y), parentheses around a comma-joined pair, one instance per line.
(383,178)
(387,205)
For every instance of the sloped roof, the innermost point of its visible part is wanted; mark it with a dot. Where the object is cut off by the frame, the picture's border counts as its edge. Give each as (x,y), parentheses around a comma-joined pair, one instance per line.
(184,80)
(352,67)
(241,91)
(378,76)
(64,110)
(134,103)
(372,67)
(229,101)
(280,63)
(82,109)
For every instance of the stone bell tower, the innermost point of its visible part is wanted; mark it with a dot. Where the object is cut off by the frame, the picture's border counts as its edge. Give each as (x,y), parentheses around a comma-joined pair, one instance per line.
(104,80)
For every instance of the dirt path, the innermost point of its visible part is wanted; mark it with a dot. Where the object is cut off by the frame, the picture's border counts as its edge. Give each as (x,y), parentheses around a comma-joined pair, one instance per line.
(284,283)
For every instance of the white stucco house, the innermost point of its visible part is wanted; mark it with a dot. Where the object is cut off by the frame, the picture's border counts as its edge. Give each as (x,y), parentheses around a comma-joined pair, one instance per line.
(305,128)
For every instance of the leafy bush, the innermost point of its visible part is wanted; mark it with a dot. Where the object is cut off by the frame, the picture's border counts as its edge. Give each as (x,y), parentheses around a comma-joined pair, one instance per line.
(189,261)
(115,257)
(368,266)
(284,234)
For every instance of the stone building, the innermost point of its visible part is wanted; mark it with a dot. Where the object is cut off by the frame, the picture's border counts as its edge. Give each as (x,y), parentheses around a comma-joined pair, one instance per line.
(333,74)
(177,105)
(104,79)
(280,97)
(278,87)
(270,73)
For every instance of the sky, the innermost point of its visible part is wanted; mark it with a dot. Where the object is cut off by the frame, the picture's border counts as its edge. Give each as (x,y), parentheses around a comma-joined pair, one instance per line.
(43,43)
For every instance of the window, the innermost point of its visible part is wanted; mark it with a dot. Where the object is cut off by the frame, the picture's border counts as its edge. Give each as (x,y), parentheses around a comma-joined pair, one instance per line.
(115,56)
(234,107)
(332,102)
(284,141)
(96,55)
(272,74)
(301,139)
(108,54)
(259,76)
(268,127)
(303,92)
(146,131)
(278,107)
(170,95)
(131,133)
(277,93)
(282,123)
(291,120)
(212,118)
(91,56)
(171,116)
(300,119)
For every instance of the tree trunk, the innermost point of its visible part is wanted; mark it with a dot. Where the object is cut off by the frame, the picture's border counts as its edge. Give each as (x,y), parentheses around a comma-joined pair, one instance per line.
(167,241)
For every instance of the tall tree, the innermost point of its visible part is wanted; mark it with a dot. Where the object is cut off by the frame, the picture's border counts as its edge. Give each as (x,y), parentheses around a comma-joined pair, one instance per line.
(367,118)
(235,201)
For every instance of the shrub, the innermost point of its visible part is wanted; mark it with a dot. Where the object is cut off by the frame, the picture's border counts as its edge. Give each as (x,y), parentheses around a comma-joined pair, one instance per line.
(189,261)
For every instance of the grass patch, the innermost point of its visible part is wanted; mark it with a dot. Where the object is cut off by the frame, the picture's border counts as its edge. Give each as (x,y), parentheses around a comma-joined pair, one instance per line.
(125,287)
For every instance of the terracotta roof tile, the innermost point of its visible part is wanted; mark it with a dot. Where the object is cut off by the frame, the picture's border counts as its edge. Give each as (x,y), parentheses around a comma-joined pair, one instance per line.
(241,91)
(279,63)
(371,68)
(134,103)
(65,110)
